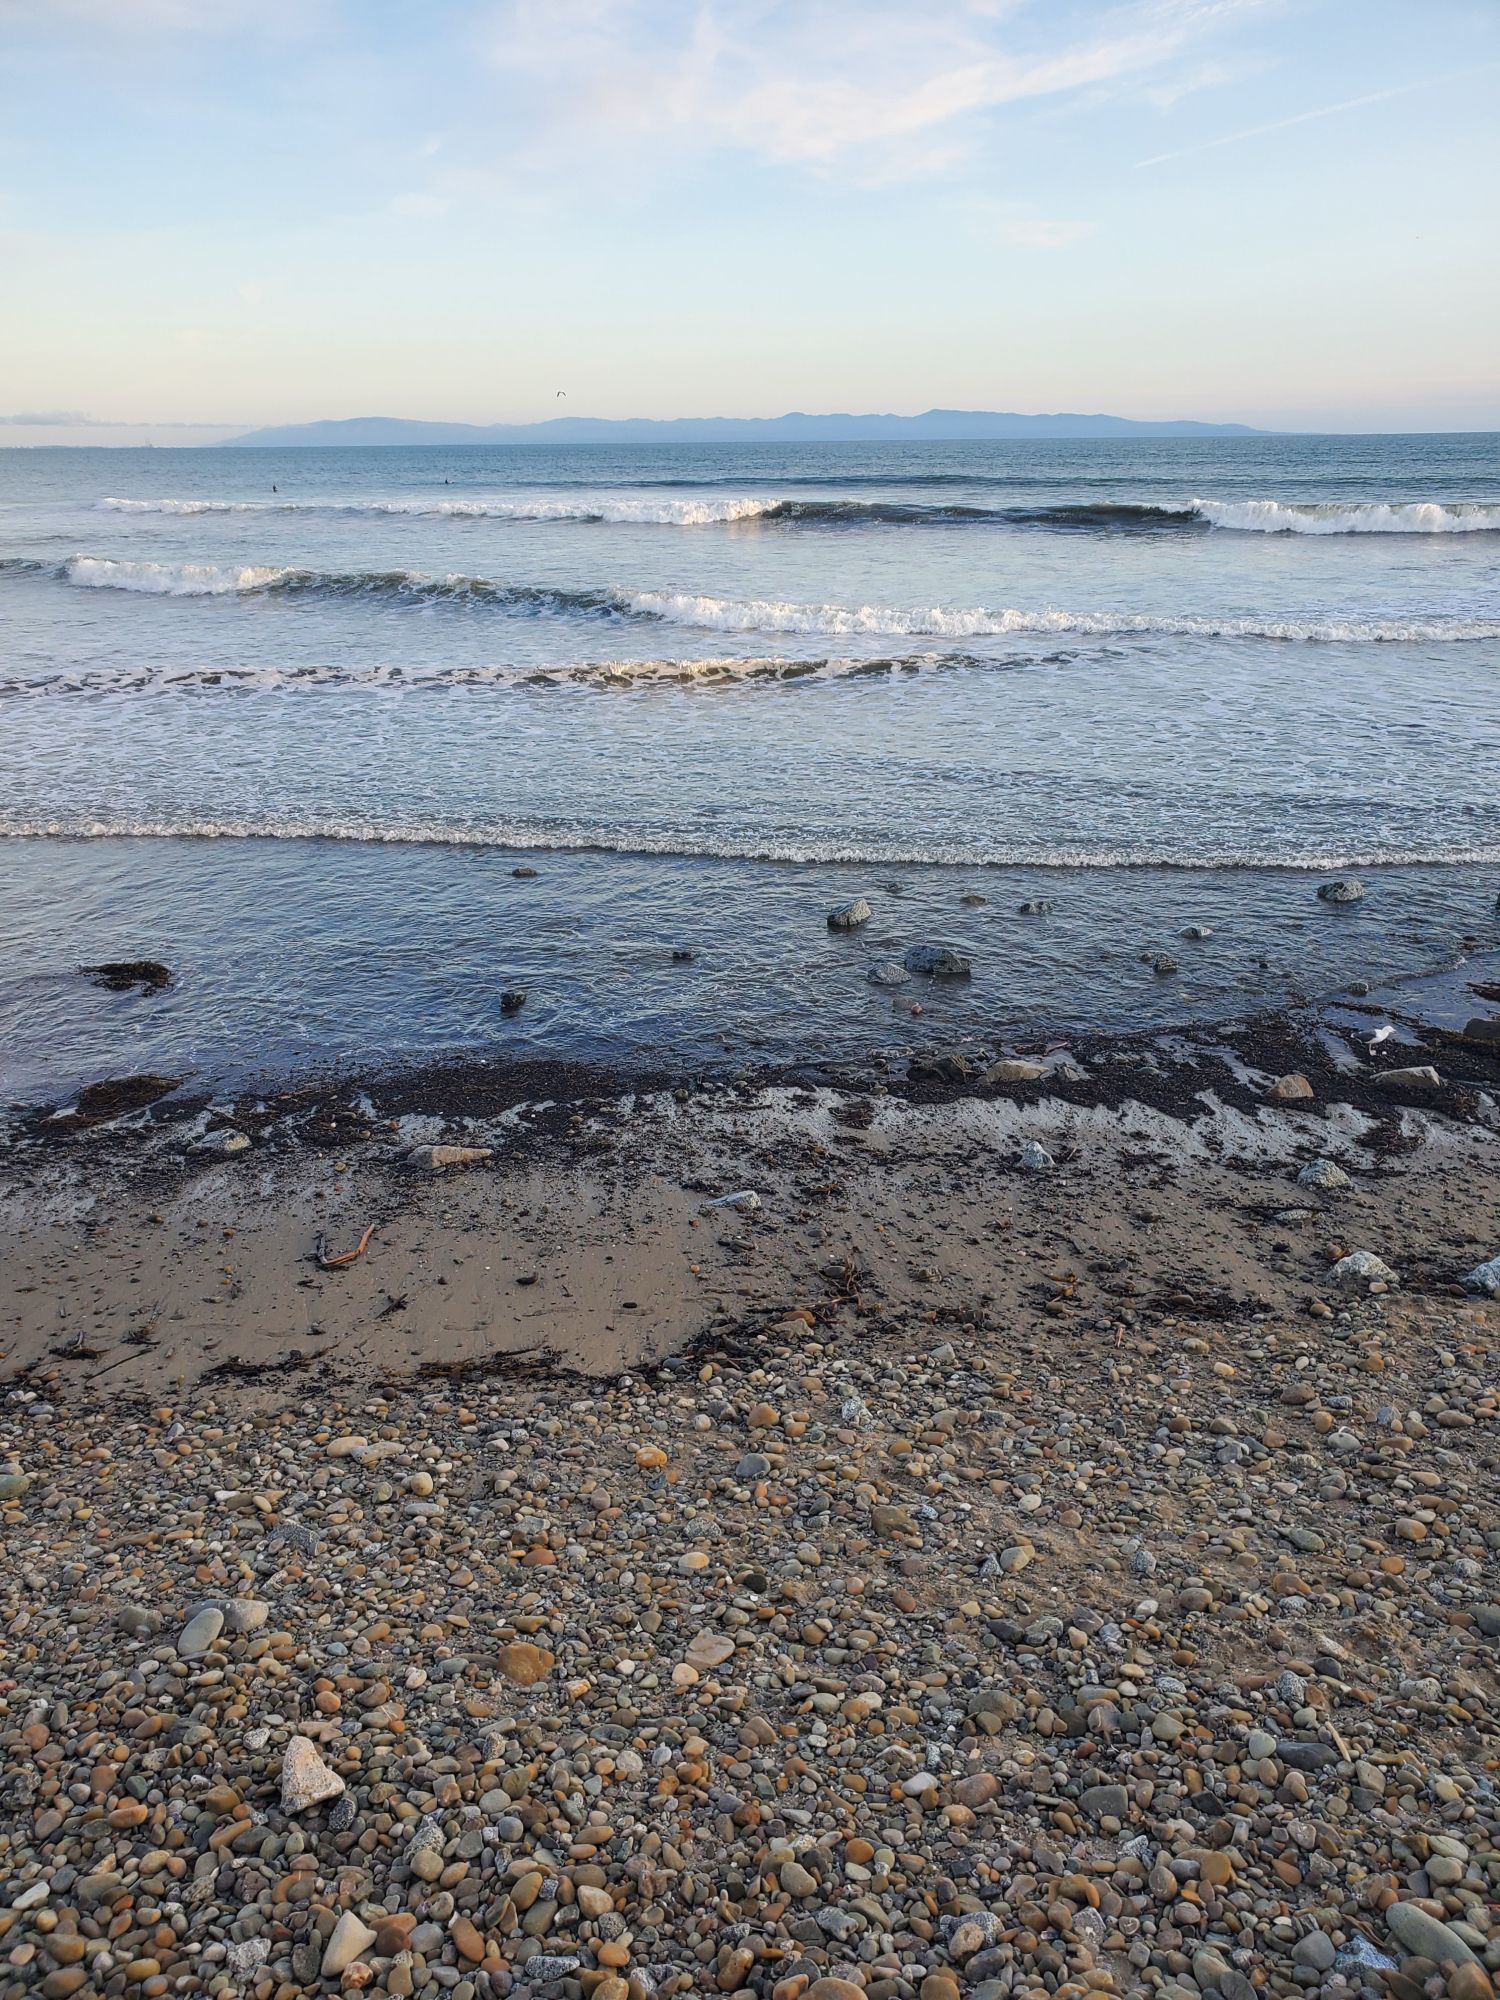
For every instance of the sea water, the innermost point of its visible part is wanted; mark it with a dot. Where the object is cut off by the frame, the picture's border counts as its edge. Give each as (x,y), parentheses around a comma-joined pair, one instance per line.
(288,720)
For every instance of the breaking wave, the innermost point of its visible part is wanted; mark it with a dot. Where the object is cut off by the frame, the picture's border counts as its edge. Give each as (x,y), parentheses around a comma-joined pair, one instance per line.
(1415,517)
(726,614)
(719,511)
(722,614)
(156,579)
(730,846)
(1269,517)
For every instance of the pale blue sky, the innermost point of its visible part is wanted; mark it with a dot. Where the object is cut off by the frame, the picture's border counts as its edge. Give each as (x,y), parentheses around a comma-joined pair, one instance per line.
(244,211)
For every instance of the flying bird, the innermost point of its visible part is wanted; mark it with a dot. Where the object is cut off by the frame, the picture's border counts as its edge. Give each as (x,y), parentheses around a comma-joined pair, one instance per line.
(561,392)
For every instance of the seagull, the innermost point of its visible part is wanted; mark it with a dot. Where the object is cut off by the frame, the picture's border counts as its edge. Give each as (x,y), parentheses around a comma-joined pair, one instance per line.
(1381,1035)
(561,392)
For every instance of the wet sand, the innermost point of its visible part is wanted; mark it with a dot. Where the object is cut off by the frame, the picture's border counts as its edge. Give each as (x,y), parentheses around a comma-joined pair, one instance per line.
(143,1257)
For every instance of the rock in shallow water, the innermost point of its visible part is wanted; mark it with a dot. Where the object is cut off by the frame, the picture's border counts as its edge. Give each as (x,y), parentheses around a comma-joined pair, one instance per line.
(886,972)
(940,960)
(1345,890)
(849,916)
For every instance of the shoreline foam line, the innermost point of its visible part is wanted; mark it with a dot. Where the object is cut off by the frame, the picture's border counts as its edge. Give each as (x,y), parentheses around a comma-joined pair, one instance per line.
(674,847)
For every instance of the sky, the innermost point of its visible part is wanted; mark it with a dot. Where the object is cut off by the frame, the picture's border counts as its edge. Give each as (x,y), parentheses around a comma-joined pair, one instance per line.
(222,213)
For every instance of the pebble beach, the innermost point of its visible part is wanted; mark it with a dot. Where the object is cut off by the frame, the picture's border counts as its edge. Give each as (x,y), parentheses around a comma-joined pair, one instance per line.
(971,1575)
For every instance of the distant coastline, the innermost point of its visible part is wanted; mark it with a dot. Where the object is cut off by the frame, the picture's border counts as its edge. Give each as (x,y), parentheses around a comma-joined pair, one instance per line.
(942,426)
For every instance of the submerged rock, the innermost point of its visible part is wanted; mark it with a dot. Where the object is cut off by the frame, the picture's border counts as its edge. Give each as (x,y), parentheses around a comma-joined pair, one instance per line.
(940,960)
(886,972)
(1345,890)
(125,975)
(1036,906)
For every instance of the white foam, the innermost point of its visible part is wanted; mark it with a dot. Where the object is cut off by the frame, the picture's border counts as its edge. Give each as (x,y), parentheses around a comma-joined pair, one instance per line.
(712,671)
(722,614)
(729,846)
(157,579)
(522,507)
(1416,517)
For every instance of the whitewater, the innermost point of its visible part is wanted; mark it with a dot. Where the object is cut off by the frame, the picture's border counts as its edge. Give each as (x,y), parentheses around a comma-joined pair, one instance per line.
(323,703)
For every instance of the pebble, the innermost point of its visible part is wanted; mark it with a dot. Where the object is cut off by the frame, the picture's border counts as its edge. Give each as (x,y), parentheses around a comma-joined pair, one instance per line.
(350,1940)
(305,1779)
(743,1677)
(199,1633)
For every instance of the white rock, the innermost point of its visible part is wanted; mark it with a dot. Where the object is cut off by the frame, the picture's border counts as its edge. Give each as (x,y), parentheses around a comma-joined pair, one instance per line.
(433,1159)
(709,1649)
(1421,1076)
(1363,1267)
(1324,1174)
(305,1779)
(1484,1278)
(350,1938)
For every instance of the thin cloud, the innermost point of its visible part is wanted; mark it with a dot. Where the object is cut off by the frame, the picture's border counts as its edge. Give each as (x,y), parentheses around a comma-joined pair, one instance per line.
(1040,232)
(823,83)
(1299,118)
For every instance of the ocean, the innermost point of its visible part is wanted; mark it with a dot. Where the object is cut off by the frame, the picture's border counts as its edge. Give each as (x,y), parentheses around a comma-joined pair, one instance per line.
(289,720)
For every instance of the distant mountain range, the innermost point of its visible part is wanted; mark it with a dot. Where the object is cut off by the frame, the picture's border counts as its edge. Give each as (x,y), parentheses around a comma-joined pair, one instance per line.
(953,426)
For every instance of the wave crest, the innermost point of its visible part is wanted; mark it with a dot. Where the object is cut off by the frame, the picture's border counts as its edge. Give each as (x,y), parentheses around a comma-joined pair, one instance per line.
(1365,517)
(724,614)
(729,846)
(1268,517)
